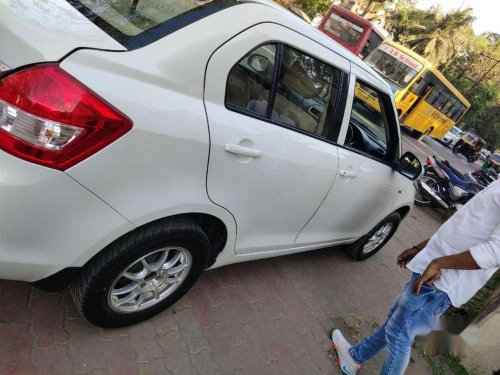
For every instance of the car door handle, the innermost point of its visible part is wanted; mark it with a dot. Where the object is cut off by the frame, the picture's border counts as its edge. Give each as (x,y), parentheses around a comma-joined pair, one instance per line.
(347,173)
(242,150)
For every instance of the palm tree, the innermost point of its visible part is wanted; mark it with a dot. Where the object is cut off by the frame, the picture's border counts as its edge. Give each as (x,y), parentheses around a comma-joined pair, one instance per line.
(437,36)
(370,6)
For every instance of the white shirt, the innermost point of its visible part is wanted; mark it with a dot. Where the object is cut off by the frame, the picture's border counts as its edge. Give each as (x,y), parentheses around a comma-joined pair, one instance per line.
(475,227)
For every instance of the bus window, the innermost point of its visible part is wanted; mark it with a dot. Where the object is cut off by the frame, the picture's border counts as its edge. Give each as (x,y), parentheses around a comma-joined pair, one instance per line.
(371,43)
(433,96)
(394,65)
(344,29)
(419,87)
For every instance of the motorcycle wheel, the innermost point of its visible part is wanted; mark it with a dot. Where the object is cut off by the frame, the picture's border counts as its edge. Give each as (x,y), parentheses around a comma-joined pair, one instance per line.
(421,199)
(456,148)
(471,159)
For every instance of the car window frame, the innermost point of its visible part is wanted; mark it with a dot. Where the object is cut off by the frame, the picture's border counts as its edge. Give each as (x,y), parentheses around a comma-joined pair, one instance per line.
(155,33)
(334,119)
(390,122)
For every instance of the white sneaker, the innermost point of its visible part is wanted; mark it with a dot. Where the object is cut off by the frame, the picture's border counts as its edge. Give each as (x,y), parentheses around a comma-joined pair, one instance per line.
(347,364)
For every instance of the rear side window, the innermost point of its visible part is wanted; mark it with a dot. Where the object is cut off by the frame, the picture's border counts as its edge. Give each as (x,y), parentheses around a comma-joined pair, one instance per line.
(136,23)
(303,92)
(251,79)
(285,86)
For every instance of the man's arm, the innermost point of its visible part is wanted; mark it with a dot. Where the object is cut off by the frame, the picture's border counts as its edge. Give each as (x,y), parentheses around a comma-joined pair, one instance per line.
(410,253)
(461,261)
(486,255)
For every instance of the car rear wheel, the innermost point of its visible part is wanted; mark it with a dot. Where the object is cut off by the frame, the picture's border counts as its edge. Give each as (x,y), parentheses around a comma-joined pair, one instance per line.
(371,243)
(141,274)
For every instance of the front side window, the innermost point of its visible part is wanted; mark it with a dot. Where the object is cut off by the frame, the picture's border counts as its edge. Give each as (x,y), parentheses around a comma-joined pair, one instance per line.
(369,126)
(298,94)
(343,29)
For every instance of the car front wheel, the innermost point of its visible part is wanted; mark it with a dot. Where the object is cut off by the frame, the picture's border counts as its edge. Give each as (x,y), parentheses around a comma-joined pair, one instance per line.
(141,274)
(371,243)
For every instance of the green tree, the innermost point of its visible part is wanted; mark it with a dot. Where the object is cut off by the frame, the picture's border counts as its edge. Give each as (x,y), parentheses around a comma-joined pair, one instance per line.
(436,35)
(371,5)
(313,7)
(476,73)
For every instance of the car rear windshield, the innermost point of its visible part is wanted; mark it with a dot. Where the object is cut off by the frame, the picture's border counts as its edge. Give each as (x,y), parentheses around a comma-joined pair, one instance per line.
(136,23)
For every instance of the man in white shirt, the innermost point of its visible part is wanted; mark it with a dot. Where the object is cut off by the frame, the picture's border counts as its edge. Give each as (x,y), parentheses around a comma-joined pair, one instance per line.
(448,269)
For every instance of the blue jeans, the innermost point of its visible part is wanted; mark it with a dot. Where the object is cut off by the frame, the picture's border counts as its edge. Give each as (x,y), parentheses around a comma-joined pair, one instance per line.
(411,315)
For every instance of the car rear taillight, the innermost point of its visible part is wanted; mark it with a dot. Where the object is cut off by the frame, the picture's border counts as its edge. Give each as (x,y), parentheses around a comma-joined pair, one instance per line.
(49,118)
(428,161)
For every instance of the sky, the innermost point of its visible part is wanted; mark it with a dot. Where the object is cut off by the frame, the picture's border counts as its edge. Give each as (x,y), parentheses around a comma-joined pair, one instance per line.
(485,11)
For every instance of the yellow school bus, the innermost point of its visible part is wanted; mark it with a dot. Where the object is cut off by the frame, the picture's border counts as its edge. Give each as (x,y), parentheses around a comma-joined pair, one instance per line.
(426,101)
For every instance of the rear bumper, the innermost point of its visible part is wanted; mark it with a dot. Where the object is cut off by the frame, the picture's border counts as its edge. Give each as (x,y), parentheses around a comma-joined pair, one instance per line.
(48,221)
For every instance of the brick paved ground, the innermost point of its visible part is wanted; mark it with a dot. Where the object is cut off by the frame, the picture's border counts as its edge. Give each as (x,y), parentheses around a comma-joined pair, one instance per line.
(264,317)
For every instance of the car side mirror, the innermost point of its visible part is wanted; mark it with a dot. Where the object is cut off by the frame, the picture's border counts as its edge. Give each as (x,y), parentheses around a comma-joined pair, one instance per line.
(409,166)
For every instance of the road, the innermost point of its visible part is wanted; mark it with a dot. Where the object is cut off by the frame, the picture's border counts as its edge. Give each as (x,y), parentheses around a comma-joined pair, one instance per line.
(430,146)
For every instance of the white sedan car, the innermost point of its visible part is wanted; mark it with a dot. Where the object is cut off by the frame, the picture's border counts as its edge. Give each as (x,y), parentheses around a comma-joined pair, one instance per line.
(145,141)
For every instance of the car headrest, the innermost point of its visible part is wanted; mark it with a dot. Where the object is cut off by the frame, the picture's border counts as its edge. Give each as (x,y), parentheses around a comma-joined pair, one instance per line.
(296,79)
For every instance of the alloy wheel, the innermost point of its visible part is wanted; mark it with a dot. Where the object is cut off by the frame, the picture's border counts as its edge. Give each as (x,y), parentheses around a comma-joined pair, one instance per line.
(377,238)
(149,279)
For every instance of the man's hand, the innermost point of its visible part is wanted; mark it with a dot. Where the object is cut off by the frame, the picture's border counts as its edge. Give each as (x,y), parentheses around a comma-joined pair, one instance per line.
(430,275)
(407,255)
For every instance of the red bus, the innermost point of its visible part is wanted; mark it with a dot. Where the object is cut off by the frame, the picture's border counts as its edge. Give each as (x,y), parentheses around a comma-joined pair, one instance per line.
(355,33)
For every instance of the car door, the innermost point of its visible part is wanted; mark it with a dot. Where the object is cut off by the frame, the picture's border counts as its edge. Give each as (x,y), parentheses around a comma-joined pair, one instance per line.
(359,198)
(270,102)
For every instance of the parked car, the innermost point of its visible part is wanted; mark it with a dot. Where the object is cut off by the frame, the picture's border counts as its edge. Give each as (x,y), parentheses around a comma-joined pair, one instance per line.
(484,154)
(495,159)
(154,141)
(452,137)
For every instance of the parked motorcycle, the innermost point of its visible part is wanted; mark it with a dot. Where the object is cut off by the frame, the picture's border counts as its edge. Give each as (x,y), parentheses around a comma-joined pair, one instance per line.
(482,177)
(443,186)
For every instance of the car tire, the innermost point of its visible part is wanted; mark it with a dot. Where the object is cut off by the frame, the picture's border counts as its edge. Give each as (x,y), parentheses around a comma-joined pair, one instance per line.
(416,134)
(94,289)
(358,250)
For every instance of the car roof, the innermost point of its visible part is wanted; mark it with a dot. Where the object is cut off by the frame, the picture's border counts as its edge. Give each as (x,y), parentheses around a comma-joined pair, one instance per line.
(297,24)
